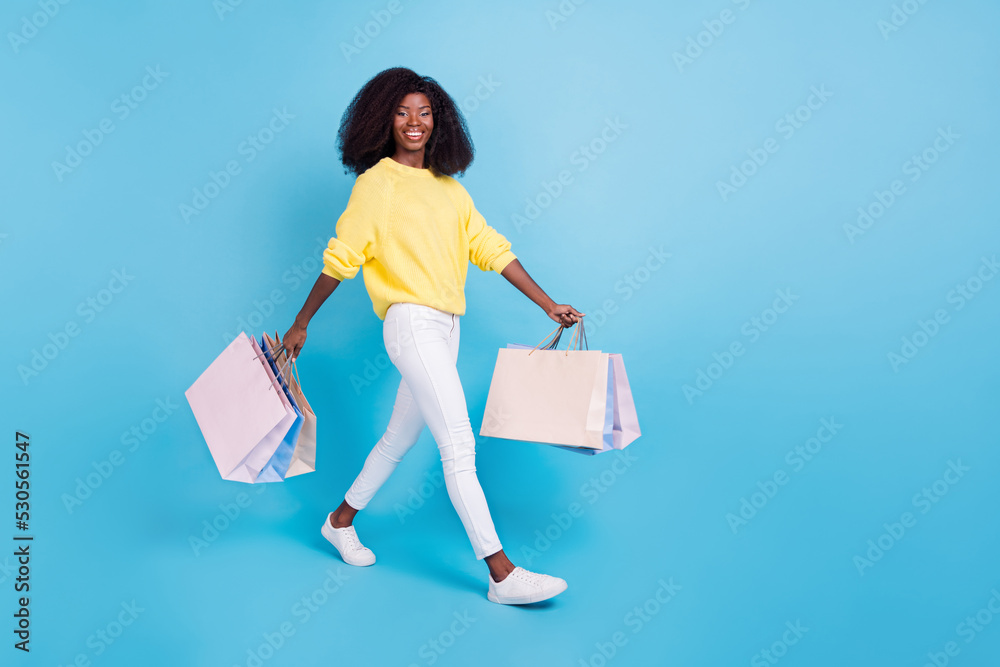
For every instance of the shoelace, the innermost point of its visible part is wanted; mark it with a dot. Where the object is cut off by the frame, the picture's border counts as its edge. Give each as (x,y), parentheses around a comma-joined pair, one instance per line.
(352,539)
(528,577)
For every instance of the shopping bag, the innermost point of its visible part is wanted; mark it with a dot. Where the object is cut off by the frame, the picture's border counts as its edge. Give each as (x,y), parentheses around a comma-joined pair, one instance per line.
(625,421)
(551,396)
(241,414)
(621,424)
(276,467)
(304,455)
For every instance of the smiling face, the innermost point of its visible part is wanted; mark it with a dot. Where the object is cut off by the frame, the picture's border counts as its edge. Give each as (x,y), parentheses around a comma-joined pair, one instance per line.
(412,126)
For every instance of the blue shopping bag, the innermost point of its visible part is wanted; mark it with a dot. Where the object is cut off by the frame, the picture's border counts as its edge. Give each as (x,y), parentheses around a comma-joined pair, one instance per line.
(277,465)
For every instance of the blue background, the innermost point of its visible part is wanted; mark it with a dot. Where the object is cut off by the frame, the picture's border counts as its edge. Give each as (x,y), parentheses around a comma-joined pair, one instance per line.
(553,86)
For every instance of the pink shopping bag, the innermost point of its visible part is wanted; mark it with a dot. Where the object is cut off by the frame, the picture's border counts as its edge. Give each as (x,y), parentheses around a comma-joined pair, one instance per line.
(241,413)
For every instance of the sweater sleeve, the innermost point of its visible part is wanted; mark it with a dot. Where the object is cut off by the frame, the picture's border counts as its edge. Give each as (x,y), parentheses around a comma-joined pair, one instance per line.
(356,238)
(488,248)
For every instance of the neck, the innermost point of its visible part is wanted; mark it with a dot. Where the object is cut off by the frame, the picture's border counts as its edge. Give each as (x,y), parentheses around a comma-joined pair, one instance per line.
(413,159)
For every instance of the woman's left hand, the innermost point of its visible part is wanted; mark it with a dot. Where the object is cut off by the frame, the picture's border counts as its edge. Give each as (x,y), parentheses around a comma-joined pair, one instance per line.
(564,314)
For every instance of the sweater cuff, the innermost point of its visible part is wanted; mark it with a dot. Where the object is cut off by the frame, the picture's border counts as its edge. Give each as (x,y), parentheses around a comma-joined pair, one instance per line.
(501,262)
(327,271)
(340,261)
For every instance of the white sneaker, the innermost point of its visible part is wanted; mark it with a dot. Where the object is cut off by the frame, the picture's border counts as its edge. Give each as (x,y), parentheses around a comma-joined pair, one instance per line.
(347,543)
(524,587)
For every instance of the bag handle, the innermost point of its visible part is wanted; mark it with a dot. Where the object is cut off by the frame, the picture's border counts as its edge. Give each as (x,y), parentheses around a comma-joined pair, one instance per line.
(579,340)
(281,371)
(574,343)
(554,343)
(274,352)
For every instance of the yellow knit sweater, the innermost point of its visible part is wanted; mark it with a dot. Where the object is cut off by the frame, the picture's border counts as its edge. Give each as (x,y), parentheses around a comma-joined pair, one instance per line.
(414,232)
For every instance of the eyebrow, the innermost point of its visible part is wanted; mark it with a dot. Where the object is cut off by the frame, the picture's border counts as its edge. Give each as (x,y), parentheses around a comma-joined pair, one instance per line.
(403,106)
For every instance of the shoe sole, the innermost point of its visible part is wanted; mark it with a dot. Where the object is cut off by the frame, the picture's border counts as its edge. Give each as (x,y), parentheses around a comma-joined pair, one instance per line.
(528,599)
(342,557)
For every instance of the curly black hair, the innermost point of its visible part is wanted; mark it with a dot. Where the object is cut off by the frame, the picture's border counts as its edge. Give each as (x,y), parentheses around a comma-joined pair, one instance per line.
(365,134)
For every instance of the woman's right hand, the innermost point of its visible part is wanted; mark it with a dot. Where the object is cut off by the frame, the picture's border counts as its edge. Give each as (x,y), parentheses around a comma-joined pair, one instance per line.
(564,314)
(294,339)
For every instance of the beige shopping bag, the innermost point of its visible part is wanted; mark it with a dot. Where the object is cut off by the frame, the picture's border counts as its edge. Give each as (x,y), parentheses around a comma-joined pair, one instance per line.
(557,397)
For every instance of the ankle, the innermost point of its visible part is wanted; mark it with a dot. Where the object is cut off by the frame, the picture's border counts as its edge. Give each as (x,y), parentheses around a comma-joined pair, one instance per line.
(500,573)
(339,521)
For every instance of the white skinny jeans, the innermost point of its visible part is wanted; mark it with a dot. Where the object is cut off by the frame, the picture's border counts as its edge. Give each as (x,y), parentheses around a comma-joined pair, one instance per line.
(422,342)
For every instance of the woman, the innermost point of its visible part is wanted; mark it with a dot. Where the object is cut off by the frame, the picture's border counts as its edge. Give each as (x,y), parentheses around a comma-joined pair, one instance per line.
(413,229)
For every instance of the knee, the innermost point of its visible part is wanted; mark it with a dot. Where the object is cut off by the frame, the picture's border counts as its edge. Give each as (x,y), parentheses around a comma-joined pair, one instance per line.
(459,457)
(392,450)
